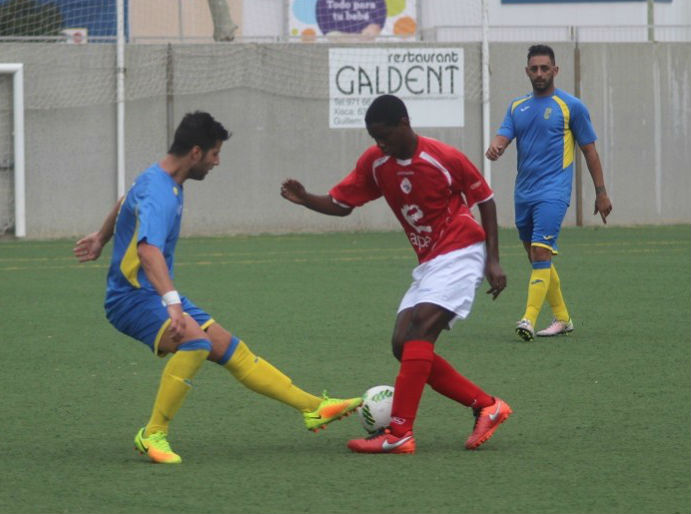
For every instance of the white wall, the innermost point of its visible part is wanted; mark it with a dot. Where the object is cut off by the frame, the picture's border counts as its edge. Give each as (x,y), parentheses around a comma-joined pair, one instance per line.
(678,12)
(638,94)
(262,18)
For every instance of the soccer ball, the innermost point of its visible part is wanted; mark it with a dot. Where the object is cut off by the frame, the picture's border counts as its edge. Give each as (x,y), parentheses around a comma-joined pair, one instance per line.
(375,411)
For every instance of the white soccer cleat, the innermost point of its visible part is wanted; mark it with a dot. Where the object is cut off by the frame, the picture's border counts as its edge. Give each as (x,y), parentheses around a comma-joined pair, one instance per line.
(525,330)
(557,328)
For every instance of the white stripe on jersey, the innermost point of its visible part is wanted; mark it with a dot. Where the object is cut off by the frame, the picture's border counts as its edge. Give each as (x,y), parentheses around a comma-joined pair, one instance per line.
(480,201)
(436,164)
(376,164)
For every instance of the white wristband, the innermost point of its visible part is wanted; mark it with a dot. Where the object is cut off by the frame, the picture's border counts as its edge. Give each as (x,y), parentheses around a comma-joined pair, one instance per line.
(171,298)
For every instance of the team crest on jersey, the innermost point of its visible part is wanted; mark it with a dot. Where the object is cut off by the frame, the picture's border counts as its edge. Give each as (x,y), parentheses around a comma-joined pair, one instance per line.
(406,186)
(548,113)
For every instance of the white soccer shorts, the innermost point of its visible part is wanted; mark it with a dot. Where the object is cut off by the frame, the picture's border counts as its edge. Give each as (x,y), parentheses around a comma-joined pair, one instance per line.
(449,280)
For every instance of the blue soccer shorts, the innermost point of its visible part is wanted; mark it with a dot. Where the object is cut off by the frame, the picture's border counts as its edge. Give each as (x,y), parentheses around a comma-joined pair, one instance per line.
(540,222)
(142,315)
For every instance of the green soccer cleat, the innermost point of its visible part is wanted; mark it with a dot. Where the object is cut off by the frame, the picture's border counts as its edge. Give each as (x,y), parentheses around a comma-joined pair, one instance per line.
(330,409)
(156,446)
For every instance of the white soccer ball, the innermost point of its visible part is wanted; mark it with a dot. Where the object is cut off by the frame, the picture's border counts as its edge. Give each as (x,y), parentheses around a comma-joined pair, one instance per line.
(375,411)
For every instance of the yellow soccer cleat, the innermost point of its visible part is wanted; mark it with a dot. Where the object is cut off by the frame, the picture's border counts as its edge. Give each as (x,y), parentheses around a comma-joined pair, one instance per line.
(330,409)
(156,446)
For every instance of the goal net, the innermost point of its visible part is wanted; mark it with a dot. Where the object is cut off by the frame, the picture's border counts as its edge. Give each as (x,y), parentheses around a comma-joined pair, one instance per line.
(412,48)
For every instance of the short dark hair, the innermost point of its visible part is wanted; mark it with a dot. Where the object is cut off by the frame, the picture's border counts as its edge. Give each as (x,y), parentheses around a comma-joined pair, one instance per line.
(541,50)
(197,129)
(387,109)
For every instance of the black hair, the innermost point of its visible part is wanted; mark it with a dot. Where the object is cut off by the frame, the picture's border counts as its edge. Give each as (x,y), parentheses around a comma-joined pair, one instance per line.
(197,129)
(541,50)
(387,109)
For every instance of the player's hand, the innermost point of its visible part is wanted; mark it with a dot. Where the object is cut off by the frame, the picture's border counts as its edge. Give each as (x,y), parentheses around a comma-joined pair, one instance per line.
(603,205)
(495,151)
(177,322)
(88,248)
(496,278)
(293,191)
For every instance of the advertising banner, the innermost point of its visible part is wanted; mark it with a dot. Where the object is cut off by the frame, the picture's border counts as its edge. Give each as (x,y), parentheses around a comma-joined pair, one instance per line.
(356,20)
(428,80)
(572,1)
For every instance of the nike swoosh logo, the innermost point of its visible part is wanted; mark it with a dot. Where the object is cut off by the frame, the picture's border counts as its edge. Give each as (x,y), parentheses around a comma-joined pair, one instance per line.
(387,446)
(493,416)
(536,281)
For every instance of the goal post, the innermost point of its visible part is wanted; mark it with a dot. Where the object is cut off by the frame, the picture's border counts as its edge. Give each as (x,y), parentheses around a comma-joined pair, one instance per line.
(17,72)
(486,128)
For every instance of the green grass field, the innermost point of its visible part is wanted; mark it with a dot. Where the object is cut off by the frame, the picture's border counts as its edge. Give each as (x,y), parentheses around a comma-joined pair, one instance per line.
(601,418)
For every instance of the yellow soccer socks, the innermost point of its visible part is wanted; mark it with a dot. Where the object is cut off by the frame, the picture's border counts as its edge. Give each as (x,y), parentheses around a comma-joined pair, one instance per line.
(260,376)
(555,298)
(176,382)
(537,289)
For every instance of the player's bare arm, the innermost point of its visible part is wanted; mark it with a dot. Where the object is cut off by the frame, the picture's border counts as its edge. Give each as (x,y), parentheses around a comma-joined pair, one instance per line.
(89,247)
(603,205)
(493,272)
(156,269)
(293,191)
(497,147)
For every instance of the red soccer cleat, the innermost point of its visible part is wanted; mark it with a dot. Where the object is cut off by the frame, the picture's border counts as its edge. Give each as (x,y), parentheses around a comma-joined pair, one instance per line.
(486,422)
(384,441)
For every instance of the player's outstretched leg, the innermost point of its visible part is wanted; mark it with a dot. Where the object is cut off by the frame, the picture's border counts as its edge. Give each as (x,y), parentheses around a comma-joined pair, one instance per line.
(383,441)
(262,377)
(156,446)
(328,410)
(487,420)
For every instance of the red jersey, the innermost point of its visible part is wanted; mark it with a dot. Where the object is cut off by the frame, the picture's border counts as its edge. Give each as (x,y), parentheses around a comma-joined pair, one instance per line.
(431,194)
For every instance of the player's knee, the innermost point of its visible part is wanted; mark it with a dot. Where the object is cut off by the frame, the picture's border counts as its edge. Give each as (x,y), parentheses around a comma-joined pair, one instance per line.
(540,254)
(425,327)
(397,347)
(195,344)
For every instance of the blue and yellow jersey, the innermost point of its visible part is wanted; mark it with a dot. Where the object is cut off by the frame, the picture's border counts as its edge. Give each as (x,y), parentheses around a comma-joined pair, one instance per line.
(546,129)
(151,212)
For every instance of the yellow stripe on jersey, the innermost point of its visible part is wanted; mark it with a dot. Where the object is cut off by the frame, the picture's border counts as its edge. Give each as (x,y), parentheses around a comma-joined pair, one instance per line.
(568,135)
(518,102)
(130,264)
